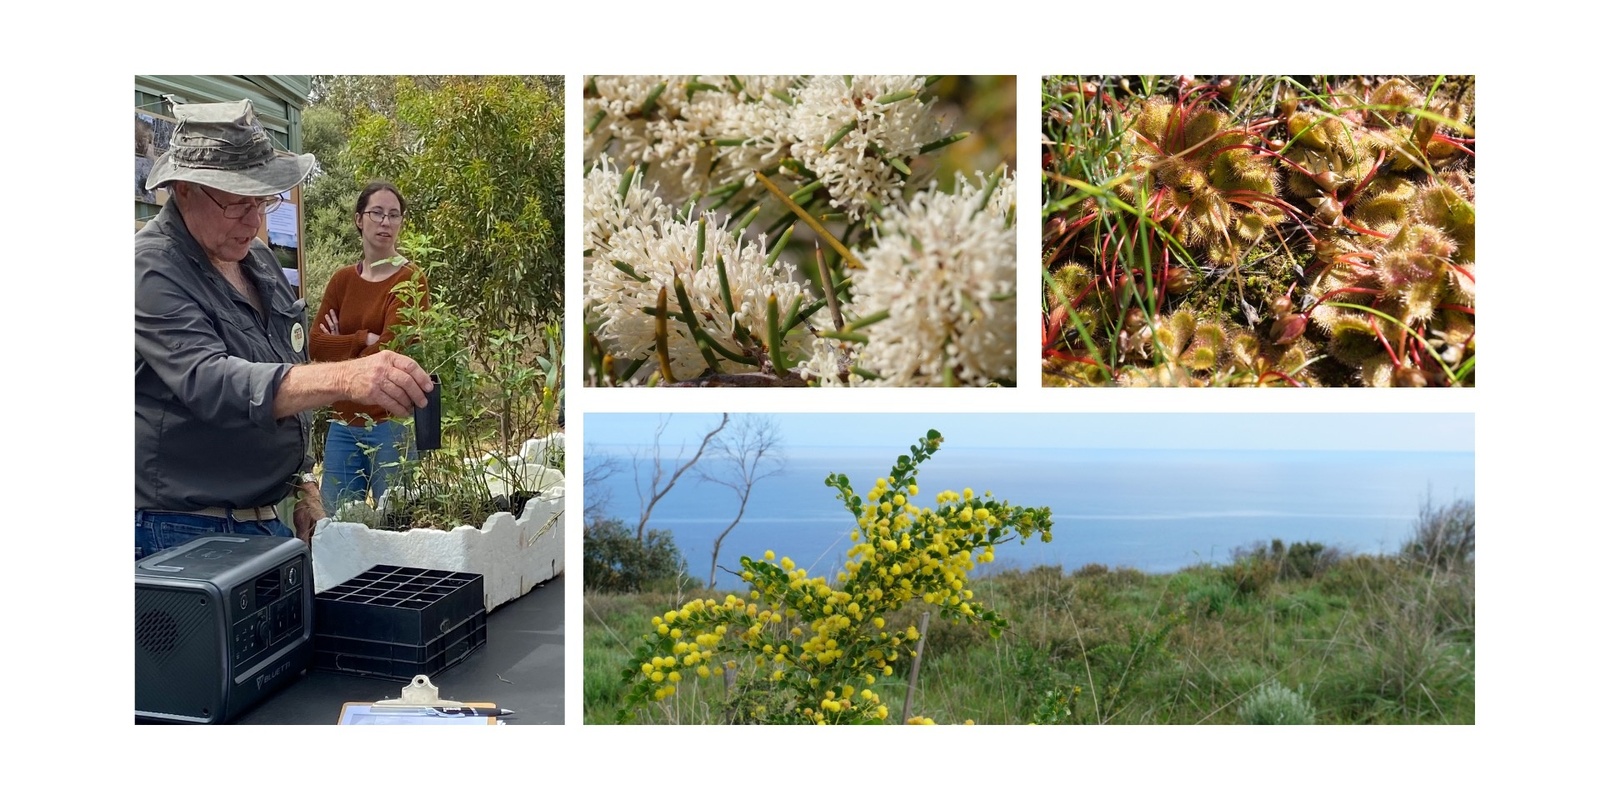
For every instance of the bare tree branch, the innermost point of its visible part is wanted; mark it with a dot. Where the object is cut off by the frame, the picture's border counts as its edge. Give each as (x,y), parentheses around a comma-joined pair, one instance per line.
(597,469)
(660,482)
(751,454)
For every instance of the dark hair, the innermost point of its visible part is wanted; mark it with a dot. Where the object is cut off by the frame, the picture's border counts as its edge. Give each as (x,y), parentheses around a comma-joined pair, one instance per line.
(373,188)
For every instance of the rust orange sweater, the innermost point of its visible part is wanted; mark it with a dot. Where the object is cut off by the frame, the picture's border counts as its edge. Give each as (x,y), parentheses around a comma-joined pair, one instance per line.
(363,307)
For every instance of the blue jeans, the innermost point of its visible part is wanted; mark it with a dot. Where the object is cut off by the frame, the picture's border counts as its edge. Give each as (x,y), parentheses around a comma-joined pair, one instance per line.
(154,531)
(360,459)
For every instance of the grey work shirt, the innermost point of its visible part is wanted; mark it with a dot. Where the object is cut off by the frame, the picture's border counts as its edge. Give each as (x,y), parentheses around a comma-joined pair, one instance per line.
(206,371)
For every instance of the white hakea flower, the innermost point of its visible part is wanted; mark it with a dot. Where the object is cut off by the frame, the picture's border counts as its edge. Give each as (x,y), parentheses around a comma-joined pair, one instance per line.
(684,139)
(663,248)
(856,168)
(759,119)
(615,104)
(945,269)
(606,211)
(829,364)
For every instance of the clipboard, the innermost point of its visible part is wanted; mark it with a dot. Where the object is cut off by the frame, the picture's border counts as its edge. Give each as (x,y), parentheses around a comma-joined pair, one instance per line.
(415,706)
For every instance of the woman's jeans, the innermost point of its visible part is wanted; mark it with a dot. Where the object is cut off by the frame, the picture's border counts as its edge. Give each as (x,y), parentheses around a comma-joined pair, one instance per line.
(357,460)
(154,531)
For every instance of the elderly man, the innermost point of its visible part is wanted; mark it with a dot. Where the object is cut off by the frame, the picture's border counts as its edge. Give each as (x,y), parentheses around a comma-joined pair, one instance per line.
(222,393)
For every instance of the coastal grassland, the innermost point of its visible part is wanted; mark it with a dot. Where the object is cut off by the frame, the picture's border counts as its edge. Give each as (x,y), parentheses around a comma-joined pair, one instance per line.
(1288,634)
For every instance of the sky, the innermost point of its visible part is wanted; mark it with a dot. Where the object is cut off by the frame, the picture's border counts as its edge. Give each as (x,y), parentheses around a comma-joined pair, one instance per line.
(1432,432)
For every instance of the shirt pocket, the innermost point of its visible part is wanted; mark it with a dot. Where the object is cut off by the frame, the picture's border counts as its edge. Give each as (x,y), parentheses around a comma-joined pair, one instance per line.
(244,337)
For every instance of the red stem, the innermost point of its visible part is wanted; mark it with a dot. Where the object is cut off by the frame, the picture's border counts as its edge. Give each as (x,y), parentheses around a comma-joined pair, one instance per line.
(1077,359)
(1105,254)
(1382,154)
(1455,144)
(1166,266)
(1372,322)
(1341,290)
(1280,376)
(1359,229)
(1254,196)
(1462,309)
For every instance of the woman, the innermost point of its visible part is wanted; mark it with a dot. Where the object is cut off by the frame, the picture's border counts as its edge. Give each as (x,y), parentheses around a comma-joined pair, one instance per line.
(358,316)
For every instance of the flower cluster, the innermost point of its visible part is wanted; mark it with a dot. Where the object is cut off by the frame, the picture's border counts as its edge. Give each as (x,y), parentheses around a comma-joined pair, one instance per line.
(855,134)
(917,289)
(945,271)
(637,254)
(809,650)
(864,166)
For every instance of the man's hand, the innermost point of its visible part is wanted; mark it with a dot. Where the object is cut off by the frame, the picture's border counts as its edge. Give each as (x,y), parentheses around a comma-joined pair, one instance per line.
(388,379)
(385,379)
(307,510)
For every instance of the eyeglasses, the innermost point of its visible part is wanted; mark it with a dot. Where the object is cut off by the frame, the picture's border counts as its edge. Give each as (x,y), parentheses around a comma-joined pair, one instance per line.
(264,205)
(378,217)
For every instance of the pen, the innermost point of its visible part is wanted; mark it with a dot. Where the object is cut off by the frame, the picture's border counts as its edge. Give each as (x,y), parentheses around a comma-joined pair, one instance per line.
(443,711)
(469,711)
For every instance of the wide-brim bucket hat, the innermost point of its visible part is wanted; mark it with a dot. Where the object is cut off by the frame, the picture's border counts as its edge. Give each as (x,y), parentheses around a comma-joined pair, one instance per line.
(223,146)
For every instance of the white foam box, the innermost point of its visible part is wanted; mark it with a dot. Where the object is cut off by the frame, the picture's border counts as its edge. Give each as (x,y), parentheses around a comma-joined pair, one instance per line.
(512,553)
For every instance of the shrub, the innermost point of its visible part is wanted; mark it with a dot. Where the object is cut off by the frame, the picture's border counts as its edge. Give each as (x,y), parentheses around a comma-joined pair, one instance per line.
(1251,574)
(615,560)
(1272,703)
(1300,560)
(1308,559)
(1211,597)
(1090,570)
(804,650)
(1443,536)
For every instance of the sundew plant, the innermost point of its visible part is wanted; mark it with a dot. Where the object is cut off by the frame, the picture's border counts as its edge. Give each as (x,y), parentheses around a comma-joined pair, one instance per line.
(802,649)
(788,231)
(1259,230)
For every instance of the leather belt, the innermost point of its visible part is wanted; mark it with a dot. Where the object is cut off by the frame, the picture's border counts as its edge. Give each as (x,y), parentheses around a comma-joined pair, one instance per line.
(260,514)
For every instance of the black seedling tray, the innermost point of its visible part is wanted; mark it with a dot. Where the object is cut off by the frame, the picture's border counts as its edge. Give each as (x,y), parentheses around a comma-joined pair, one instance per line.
(400,622)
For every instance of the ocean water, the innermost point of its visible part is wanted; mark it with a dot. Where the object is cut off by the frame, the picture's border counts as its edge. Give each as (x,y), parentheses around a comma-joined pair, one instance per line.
(1154,510)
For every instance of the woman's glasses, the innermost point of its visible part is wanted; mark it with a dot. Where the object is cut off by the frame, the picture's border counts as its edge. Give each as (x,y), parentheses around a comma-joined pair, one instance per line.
(378,217)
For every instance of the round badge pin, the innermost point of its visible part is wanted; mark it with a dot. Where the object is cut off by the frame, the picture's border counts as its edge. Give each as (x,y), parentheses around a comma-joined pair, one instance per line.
(297,337)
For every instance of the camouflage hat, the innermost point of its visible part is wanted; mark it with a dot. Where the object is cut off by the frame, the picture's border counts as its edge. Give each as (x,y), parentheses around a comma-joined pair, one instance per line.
(223,146)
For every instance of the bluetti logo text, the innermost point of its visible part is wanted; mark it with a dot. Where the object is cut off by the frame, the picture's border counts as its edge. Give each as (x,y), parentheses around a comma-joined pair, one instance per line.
(267,677)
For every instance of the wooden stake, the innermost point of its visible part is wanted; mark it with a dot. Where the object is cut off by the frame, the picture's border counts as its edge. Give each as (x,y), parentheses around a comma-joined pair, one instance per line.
(916,667)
